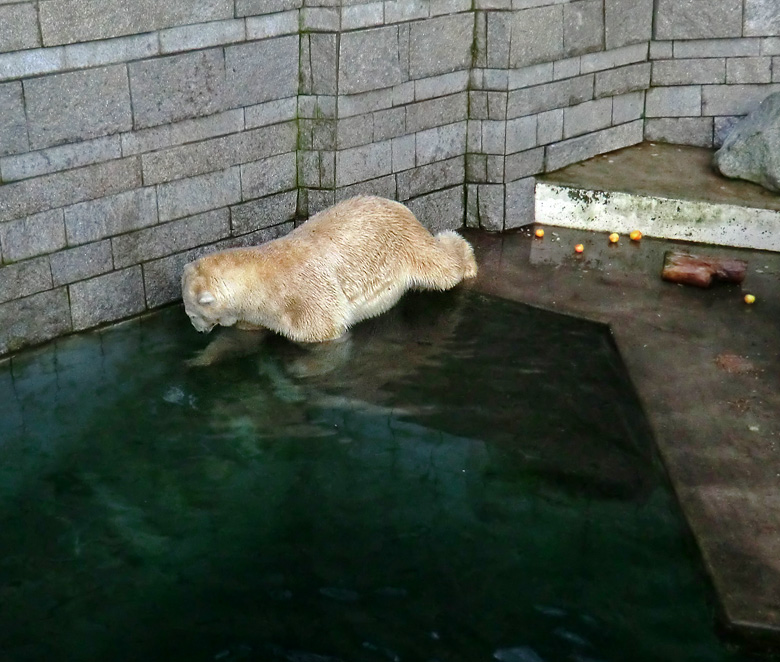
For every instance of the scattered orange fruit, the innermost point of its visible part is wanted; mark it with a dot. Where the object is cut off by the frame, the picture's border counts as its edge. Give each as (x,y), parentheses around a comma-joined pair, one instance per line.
(614,237)
(539,233)
(749,298)
(635,235)
(579,248)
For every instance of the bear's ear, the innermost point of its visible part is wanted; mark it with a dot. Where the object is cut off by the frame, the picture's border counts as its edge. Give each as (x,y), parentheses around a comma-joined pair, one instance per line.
(206,298)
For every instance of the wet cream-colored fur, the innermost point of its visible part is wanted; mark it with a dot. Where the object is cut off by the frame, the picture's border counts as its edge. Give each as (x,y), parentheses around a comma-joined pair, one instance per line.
(347,263)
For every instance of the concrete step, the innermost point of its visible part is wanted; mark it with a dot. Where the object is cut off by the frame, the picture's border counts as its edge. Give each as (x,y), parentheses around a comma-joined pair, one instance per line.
(664,191)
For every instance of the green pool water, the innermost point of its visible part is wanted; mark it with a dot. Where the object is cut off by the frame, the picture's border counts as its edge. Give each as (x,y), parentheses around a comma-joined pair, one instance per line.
(463,479)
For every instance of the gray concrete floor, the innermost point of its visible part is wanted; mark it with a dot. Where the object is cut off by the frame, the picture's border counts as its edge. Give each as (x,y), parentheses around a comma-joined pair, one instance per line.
(707,368)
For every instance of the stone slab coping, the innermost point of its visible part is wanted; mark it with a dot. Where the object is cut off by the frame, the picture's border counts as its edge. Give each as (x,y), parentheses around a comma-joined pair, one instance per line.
(666,191)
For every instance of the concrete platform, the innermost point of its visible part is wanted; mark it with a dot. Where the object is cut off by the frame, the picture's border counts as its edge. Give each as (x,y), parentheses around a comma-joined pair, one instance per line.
(707,369)
(665,191)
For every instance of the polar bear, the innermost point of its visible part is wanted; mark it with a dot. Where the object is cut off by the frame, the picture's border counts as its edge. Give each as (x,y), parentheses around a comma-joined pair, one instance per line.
(345,264)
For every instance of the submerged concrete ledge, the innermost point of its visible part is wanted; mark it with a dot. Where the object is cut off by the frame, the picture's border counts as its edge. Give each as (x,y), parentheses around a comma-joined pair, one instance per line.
(680,198)
(707,370)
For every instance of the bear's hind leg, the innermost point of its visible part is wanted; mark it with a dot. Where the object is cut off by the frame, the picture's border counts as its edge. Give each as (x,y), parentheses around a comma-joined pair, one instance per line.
(456,245)
(450,260)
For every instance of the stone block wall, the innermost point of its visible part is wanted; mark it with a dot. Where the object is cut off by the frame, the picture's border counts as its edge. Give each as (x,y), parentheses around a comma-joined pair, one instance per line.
(134,136)
(712,62)
(384,105)
(552,83)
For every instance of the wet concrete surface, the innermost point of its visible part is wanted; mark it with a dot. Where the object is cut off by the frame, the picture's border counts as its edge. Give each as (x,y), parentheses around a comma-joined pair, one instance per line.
(668,171)
(707,368)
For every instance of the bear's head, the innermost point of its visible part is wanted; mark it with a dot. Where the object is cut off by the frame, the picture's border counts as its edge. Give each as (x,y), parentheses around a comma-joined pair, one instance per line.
(204,302)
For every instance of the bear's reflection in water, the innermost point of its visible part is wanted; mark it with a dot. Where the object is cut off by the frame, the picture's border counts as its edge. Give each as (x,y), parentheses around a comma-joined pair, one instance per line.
(447,344)
(411,334)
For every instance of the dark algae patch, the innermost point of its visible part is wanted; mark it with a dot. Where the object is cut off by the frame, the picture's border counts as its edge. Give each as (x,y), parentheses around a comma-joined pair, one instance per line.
(464,479)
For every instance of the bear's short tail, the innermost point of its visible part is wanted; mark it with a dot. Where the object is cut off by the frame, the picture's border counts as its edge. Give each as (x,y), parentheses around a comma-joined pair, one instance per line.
(458,248)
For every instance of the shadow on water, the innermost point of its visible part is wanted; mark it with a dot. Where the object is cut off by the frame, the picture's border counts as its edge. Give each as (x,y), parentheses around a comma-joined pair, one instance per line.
(463,479)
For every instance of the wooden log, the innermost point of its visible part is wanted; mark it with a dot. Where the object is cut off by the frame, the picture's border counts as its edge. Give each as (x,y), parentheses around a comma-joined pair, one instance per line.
(700,270)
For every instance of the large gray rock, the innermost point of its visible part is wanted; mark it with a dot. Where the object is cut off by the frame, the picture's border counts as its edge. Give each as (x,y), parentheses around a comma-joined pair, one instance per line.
(752,150)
